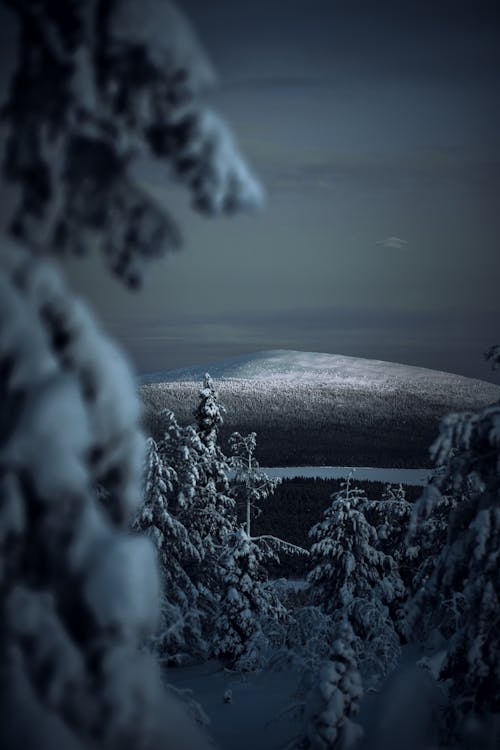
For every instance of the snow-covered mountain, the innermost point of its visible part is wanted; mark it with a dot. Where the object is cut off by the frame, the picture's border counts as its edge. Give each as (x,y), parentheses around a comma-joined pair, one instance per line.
(312,408)
(311,367)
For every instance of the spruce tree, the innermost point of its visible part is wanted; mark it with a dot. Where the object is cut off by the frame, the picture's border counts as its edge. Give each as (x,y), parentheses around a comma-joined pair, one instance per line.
(179,634)
(245,603)
(95,88)
(250,484)
(335,699)
(347,563)
(352,576)
(462,584)
(390,517)
(208,413)
(200,494)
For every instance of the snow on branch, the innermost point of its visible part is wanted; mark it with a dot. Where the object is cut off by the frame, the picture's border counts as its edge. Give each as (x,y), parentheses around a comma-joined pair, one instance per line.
(93,93)
(280,545)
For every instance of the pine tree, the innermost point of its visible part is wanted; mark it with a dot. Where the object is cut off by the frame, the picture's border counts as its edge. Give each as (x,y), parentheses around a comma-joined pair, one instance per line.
(213,507)
(208,413)
(180,631)
(390,517)
(113,90)
(336,697)
(245,603)
(78,593)
(345,555)
(250,484)
(351,575)
(463,582)
(201,498)
(95,88)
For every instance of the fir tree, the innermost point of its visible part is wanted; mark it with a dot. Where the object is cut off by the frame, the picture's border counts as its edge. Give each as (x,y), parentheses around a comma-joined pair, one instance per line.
(245,602)
(208,413)
(464,578)
(94,89)
(345,555)
(201,496)
(351,575)
(390,516)
(336,697)
(180,630)
(250,484)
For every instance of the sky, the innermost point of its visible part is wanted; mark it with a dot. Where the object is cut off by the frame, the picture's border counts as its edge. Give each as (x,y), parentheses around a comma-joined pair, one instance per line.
(375,128)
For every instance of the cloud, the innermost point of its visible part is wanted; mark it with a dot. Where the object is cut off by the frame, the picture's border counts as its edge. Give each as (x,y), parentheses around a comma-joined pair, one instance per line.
(395,243)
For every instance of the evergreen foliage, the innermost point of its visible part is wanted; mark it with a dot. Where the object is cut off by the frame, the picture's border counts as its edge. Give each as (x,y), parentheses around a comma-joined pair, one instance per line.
(78,593)
(352,577)
(180,631)
(200,495)
(347,563)
(336,697)
(390,517)
(96,88)
(464,579)
(245,603)
(97,85)
(250,484)
(208,414)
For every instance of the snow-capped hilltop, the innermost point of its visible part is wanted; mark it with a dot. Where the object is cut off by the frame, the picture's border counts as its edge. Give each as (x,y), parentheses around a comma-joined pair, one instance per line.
(322,409)
(308,366)
(272,363)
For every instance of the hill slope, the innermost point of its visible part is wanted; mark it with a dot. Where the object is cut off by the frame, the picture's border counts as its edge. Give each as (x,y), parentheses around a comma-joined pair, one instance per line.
(319,409)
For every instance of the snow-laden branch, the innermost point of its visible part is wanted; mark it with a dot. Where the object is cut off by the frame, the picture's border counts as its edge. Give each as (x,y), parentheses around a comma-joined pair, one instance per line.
(282,544)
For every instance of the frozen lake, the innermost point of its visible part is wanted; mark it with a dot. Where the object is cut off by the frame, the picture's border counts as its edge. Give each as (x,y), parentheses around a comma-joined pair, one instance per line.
(369,473)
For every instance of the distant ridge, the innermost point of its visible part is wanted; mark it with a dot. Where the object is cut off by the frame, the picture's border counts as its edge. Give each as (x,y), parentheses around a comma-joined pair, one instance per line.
(315,409)
(285,363)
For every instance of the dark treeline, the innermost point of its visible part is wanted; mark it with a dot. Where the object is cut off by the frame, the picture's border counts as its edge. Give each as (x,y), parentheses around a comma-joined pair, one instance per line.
(296,506)
(299,424)
(288,437)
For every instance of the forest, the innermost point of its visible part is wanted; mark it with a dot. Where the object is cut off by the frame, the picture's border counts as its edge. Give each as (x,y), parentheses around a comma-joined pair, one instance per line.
(302,424)
(128,559)
(379,568)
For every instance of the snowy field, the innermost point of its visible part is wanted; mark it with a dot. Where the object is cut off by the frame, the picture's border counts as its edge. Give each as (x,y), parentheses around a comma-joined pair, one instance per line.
(363,473)
(254,720)
(261,716)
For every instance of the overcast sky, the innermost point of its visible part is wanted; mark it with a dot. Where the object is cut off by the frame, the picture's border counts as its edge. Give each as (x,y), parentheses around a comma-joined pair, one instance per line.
(375,127)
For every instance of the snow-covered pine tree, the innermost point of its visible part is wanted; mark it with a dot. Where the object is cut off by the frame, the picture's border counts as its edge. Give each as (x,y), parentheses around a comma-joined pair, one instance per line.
(393,513)
(208,413)
(97,84)
(200,502)
(179,634)
(347,563)
(465,576)
(200,496)
(336,697)
(426,537)
(97,88)
(214,508)
(250,485)
(390,516)
(352,576)
(394,493)
(78,593)
(245,605)
(177,449)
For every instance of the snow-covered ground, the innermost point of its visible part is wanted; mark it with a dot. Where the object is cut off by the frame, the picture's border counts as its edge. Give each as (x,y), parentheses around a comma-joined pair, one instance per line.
(252,721)
(283,364)
(400,715)
(367,473)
